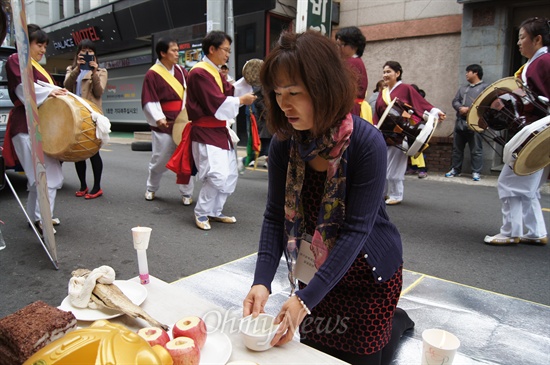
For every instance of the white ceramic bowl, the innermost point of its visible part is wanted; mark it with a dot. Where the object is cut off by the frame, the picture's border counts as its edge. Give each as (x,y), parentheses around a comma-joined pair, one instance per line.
(258,332)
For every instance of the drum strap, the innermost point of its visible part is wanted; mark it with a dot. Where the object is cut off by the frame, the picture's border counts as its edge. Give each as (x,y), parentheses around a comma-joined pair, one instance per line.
(386,95)
(43,72)
(212,71)
(169,78)
(518,72)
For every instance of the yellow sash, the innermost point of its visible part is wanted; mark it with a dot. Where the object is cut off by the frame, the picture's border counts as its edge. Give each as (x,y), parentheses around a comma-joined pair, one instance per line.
(169,78)
(386,95)
(418,161)
(40,69)
(366,111)
(518,72)
(212,71)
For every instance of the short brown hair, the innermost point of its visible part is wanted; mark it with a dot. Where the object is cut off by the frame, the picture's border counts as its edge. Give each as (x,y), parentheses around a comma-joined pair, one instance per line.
(314,59)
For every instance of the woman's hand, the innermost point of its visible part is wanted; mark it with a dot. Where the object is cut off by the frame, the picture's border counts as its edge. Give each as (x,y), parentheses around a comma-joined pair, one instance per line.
(254,302)
(80,61)
(93,65)
(442,116)
(290,317)
(58,92)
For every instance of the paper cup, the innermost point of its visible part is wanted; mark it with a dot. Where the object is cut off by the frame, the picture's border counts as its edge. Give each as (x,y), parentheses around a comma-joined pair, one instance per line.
(439,347)
(141,237)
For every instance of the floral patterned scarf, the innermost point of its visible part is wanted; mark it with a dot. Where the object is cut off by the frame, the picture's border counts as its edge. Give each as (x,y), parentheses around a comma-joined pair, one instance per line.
(331,146)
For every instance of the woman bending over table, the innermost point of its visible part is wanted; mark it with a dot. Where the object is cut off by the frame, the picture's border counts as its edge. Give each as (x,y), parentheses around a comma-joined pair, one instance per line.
(325,199)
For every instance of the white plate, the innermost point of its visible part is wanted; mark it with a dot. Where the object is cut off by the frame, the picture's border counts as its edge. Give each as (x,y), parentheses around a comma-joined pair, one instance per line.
(134,291)
(217,348)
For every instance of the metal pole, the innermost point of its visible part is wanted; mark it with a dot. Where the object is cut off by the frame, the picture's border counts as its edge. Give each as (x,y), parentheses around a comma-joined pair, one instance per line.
(31,223)
(215,15)
(230,30)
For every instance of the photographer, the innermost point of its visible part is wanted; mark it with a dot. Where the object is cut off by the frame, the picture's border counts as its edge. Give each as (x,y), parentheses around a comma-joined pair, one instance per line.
(84,78)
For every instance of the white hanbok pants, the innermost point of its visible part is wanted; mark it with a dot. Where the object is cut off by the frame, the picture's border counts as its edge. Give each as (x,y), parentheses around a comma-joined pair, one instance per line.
(217,170)
(163,149)
(395,173)
(521,207)
(54,175)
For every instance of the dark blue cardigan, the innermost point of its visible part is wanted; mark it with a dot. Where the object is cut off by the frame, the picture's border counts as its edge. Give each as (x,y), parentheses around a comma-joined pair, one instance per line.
(366,231)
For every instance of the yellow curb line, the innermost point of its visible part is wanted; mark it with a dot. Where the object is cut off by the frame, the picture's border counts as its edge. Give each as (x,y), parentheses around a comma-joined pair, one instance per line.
(413,285)
(468,286)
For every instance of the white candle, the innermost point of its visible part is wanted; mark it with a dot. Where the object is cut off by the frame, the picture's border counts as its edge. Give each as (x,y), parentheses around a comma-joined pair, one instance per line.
(142,265)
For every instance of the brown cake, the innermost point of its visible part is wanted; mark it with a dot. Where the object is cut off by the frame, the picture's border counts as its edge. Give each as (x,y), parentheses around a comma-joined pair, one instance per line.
(31,328)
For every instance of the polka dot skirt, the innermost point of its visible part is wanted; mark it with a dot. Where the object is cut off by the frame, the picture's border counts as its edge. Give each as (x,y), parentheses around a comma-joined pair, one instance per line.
(356,315)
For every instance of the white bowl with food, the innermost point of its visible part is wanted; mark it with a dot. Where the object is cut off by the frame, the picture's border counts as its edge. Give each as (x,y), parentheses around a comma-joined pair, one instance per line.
(258,332)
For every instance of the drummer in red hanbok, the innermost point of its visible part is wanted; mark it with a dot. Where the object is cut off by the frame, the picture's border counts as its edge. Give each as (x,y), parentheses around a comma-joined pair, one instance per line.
(397,159)
(352,42)
(211,102)
(163,98)
(520,195)
(17,143)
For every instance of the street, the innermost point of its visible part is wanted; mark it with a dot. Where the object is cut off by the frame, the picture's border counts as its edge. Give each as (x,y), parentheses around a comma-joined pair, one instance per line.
(442,223)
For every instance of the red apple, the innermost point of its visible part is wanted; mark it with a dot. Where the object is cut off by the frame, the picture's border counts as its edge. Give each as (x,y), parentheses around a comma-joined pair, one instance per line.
(154,335)
(184,351)
(192,327)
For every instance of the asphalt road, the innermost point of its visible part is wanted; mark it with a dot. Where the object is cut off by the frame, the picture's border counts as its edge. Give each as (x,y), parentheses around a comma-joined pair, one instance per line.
(442,222)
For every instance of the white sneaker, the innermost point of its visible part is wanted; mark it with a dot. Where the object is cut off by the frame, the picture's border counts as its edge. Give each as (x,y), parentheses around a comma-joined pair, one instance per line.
(186,200)
(149,195)
(452,173)
(476,176)
(240,166)
(390,201)
(500,239)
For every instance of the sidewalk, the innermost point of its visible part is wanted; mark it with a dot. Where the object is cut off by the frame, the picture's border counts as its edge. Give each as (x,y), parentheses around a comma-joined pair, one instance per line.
(466,179)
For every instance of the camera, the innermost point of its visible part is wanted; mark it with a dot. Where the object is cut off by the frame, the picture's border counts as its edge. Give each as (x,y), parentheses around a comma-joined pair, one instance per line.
(87,57)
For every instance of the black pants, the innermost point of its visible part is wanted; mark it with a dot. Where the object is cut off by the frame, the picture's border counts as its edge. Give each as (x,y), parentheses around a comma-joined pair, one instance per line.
(401,323)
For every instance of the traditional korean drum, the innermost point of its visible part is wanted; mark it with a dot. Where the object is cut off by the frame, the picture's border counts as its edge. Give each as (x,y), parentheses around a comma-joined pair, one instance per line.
(529,150)
(179,125)
(67,129)
(401,130)
(251,72)
(503,105)
(508,105)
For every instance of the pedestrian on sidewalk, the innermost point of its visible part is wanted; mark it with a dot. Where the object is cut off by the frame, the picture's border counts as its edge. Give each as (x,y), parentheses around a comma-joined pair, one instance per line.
(463,134)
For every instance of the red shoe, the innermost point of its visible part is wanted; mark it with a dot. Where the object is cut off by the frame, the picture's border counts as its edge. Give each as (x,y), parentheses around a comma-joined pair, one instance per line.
(81,193)
(93,196)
